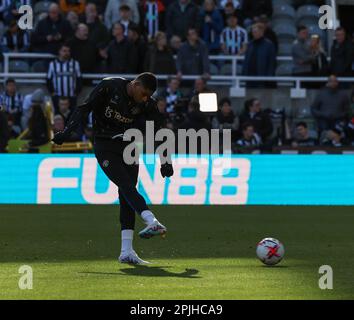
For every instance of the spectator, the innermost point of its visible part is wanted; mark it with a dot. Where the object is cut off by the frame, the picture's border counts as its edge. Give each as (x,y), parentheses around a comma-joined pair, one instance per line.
(341,54)
(161,106)
(192,57)
(11,9)
(112,12)
(64,108)
(11,101)
(181,16)
(331,105)
(175,44)
(73,19)
(13,129)
(225,117)
(139,44)
(97,31)
(159,58)
(38,132)
(37,97)
(125,15)
(234,38)
(195,119)
(319,62)
(4,130)
(153,13)
(333,138)
(82,49)
(249,138)
(77,6)
(268,33)
(303,58)
(200,86)
(64,77)
(302,136)
(172,93)
(121,54)
(260,56)
(59,123)
(212,26)
(252,9)
(51,32)
(15,39)
(260,120)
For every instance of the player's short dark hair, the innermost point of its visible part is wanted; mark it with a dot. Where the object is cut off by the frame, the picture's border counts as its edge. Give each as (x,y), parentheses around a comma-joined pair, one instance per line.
(64,44)
(148,80)
(301,124)
(10,80)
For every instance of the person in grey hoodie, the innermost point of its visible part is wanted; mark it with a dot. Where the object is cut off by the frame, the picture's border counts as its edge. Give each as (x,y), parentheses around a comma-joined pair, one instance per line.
(301,53)
(192,57)
(331,106)
(111,14)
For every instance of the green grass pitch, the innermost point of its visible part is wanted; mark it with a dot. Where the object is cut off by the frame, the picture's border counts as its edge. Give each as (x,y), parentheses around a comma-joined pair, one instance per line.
(209,253)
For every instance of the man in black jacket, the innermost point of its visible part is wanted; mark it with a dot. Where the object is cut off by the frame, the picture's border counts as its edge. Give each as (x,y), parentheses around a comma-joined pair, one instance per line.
(51,32)
(342,54)
(121,54)
(118,105)
(260,120)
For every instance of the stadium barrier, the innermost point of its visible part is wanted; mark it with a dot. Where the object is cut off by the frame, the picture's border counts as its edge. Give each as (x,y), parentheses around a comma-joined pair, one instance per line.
(234,81)
(206,180)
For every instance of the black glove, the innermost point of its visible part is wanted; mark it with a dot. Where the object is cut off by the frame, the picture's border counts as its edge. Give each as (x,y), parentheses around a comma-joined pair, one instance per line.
(166,170)
(60,137)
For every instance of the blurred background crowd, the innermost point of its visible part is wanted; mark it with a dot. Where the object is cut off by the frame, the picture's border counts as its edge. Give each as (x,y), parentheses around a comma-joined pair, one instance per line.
(176,38)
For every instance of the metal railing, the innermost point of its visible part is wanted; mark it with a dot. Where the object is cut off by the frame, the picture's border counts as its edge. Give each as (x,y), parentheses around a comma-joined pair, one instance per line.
(235,81)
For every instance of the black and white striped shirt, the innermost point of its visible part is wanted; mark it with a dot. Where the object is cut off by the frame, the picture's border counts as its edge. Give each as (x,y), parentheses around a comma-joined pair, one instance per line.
(152,19)
(11,104)
(63,77)
(253,142)
(234,39)
(17,41)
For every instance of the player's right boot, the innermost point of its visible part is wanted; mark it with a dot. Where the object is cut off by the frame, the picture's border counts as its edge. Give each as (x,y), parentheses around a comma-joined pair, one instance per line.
(132,258)
(154,229)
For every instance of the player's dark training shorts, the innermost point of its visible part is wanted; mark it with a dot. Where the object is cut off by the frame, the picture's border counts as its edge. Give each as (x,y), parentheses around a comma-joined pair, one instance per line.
(109,154)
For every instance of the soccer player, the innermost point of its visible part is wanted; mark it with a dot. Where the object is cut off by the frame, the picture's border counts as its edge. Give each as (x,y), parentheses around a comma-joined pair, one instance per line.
(118,104)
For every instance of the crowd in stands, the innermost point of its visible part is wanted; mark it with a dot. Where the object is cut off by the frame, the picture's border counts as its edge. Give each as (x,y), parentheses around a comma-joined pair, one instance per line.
(173,37)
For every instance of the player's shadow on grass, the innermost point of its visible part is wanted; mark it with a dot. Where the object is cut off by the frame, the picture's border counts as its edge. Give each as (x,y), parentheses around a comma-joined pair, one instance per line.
(151,272)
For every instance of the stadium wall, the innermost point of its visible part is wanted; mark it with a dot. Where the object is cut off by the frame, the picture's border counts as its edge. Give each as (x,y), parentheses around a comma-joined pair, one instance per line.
(207,179)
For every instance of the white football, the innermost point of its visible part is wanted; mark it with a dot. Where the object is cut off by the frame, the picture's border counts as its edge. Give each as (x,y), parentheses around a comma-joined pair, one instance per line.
(270,251)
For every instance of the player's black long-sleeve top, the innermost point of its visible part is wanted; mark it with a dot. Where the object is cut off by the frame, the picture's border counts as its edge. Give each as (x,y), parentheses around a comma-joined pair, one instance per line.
(114,111)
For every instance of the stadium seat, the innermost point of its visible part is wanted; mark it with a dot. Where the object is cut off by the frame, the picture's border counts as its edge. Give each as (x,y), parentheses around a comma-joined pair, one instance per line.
(18,66)
(41,6)
(40,66)
(283,10)
(282,2)
(287,32)
(308,11)
(285,48)
(214,70)
(226,69)
(284,69)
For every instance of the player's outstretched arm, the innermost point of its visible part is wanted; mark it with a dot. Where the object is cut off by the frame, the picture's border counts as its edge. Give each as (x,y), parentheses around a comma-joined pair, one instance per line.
(82,111)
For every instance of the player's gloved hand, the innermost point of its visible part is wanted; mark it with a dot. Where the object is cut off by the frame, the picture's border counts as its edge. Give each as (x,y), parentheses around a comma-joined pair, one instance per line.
(60,137)
(166,170)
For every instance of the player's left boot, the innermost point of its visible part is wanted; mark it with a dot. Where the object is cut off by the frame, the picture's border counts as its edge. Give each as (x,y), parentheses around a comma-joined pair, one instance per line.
(132,258)
(154,229)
